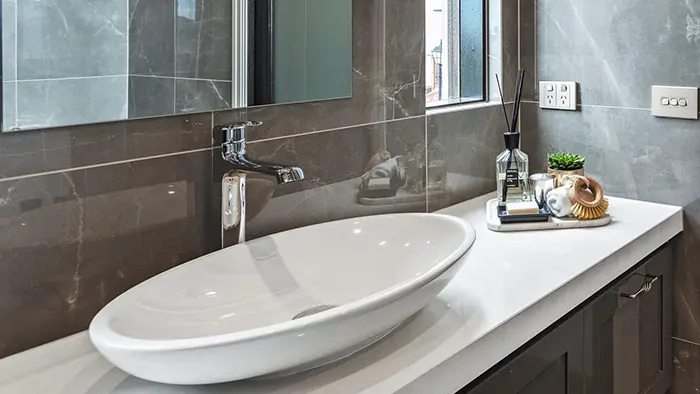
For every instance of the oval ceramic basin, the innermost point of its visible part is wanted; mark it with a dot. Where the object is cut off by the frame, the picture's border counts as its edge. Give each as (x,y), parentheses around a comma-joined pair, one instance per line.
(284,303)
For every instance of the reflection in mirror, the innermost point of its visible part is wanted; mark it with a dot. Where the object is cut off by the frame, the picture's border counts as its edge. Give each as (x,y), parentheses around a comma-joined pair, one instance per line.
(75,62)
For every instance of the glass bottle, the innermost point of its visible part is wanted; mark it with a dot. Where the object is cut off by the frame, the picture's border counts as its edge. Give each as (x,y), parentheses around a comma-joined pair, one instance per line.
(513,172)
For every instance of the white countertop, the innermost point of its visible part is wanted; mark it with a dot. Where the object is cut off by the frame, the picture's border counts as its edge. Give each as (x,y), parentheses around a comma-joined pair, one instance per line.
(506,293)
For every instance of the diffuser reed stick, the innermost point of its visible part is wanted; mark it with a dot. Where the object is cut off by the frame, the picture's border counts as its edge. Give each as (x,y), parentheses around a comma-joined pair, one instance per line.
(518,100)
(503,101)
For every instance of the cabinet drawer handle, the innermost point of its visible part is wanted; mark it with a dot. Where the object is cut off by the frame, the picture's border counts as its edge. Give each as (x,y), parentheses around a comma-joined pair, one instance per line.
(646,286)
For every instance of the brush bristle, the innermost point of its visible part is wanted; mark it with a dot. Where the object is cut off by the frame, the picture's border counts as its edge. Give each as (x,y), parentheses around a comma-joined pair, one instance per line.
(586,213)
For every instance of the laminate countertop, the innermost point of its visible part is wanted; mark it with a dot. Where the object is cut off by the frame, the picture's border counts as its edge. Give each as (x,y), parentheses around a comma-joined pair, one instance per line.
(511,287)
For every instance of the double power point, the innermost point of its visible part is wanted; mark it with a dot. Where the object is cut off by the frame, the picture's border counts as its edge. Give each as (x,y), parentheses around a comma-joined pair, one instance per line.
(558,95)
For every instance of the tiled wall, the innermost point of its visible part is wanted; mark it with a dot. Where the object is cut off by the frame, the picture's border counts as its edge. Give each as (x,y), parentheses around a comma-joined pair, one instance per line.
(617,50)
(87,212)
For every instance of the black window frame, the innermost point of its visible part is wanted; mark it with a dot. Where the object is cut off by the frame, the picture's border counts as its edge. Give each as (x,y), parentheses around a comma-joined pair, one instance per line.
(485,64)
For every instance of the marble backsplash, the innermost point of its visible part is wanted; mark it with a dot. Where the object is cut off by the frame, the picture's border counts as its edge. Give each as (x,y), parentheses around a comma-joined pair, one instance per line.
(616,50)
(73,240)
(87,212)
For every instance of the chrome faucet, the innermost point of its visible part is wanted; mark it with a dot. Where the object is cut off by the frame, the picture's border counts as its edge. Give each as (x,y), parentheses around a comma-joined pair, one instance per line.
(233,150)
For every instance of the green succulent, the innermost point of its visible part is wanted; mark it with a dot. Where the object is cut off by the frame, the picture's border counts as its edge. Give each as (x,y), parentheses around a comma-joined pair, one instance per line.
(565,161)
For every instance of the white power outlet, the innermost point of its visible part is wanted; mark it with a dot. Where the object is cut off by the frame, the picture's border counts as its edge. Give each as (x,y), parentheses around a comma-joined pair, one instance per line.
(548,95)
(558,95)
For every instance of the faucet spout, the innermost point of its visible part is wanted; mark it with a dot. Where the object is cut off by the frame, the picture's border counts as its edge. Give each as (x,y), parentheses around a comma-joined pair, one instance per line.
(282,173)
(233,151)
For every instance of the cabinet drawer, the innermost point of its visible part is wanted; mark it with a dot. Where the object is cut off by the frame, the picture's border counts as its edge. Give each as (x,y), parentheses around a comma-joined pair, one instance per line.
(628,332)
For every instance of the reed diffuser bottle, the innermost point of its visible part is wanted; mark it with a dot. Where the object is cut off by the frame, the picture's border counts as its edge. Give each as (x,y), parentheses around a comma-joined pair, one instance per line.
(513,165)
(513,169)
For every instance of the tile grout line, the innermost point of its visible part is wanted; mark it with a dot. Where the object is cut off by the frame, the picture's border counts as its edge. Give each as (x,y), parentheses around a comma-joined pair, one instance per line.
(14,122)
(212,140)
(597,106)
(128,57)
(111,163)
(519,36)
(535,24)
(175,5)
(213,147)
(685,341)
(427,169)
(306,47)
(384,78)
(336,129)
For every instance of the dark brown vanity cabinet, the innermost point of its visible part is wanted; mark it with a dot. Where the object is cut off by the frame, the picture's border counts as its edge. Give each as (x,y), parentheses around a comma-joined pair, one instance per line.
(618,342)
(627,332)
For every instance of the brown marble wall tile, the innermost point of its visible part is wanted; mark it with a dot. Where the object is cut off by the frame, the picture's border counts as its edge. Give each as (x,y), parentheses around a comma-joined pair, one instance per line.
(469,142)
(72,241)
(686,377)
(30,152)
(334,163)
(366,104)
(404,88)
(686,299)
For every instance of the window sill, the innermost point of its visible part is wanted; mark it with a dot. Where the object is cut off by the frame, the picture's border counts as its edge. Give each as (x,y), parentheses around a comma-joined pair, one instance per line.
(462,107)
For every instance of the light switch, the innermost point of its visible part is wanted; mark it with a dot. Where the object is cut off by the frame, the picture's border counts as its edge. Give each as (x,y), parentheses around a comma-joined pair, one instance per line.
(674,102)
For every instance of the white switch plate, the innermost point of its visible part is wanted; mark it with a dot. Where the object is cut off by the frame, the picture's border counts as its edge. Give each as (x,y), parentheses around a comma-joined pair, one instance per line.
(674,102)
(558,95)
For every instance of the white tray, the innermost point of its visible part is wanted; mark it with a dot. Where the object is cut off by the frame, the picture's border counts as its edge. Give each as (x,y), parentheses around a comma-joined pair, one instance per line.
(494,223)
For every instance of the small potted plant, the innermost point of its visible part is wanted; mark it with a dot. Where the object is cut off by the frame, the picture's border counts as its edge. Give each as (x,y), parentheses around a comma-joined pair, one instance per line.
(565,165)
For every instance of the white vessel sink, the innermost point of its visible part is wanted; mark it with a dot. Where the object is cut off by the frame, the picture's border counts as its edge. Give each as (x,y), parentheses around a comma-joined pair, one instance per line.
(284,303)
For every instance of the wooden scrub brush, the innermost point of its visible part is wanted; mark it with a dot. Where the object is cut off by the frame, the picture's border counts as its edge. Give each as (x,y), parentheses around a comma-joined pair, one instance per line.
(586,195)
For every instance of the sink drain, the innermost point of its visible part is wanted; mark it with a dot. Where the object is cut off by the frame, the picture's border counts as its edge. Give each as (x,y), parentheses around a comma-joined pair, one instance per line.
(312,311)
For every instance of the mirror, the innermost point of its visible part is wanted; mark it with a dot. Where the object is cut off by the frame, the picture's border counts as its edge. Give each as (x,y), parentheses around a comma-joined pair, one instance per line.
(74,62)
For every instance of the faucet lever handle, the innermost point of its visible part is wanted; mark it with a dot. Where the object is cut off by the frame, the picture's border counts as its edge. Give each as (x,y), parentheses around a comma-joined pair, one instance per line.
(235,132)
(243,125)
